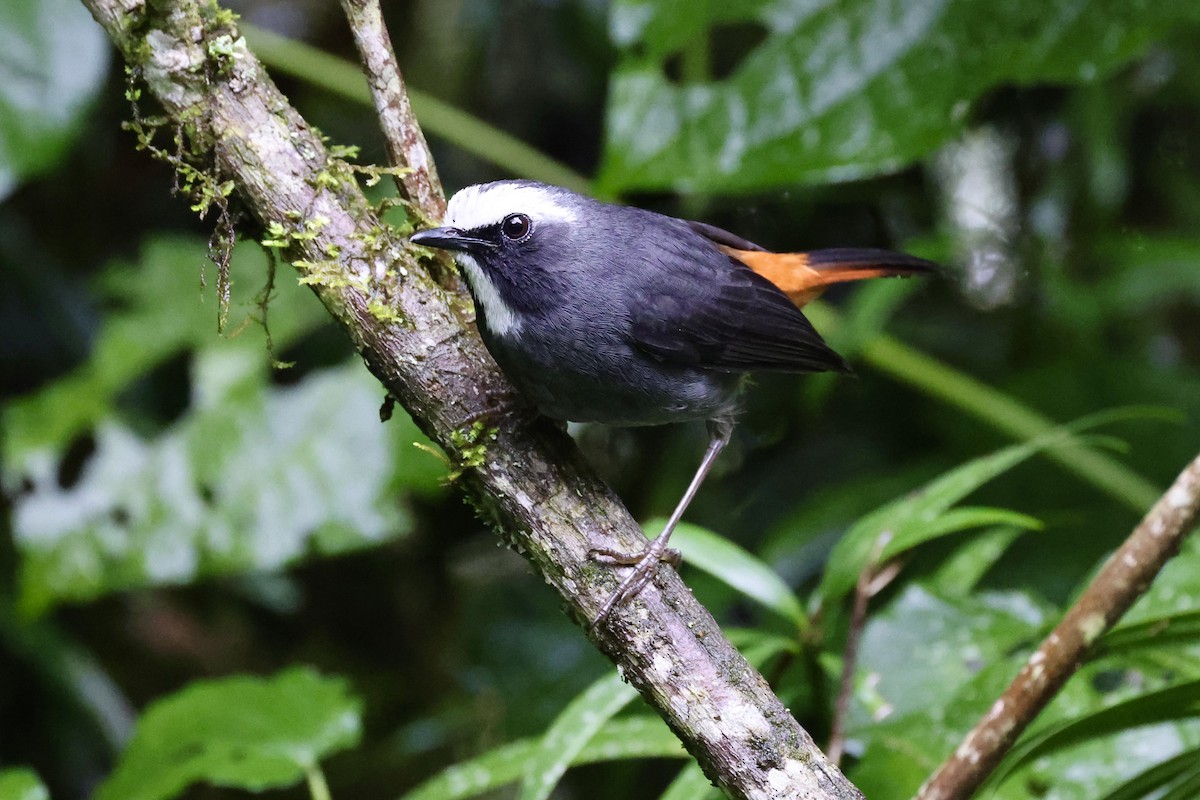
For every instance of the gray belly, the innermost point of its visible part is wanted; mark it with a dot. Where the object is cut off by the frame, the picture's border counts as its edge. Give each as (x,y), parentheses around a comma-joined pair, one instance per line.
(610,382)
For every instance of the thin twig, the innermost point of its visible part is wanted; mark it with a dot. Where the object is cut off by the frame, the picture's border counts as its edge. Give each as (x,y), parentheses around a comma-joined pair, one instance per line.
(406,144)
(1124,578)
(871,581)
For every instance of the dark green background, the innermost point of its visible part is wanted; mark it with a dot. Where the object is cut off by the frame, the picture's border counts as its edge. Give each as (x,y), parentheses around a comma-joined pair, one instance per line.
(175,509)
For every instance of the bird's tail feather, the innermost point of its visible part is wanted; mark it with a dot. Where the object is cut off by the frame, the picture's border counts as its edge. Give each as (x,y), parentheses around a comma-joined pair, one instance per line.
(804,276)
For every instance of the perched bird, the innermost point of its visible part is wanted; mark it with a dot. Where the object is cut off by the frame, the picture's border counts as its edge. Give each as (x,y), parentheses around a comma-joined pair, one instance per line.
(617,315)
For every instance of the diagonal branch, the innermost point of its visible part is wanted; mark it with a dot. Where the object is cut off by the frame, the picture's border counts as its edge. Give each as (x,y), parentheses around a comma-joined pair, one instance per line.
(529,480)
(1123,579)
(406,146)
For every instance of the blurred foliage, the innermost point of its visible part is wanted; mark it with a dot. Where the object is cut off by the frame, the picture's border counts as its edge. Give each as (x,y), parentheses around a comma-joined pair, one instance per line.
(54,61)
(771,93)
(21,784)
(246,732)
(249,477)
(179,508)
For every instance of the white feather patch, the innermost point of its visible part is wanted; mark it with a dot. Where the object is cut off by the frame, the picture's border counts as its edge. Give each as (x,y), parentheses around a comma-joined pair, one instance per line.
(500,319)
(489,203)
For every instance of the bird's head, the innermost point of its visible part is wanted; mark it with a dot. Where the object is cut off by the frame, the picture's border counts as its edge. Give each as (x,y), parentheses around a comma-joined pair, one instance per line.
(512,240)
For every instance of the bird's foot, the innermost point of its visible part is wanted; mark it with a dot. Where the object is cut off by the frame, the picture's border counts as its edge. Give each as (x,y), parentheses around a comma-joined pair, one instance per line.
(501,407)
(644,565)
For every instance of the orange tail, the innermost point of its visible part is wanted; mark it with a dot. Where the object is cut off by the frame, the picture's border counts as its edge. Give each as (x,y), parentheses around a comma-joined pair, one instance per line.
(804,276)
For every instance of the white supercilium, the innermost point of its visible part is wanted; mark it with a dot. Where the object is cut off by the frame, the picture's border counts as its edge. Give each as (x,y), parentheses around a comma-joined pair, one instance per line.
(489,203)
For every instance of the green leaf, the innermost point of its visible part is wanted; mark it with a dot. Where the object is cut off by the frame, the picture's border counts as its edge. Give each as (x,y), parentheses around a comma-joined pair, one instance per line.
(901,751)
(735,567)
(953,521)
(1173,592)
(1188,788)
(1001,411)
(243,732)
(250,477)
(573,728)
(1169,630)
(254,478)
(922,516)
(642,736)
(158,311)
(583,733)
(1173,703)
(691,784)
(919,649)
(1185,765)
(22,783)
(1150,271)
(53,60)
(439,119)
(839,90)
(958,574)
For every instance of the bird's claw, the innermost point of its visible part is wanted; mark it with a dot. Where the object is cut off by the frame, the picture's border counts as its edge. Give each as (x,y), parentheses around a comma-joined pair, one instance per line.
(644,565)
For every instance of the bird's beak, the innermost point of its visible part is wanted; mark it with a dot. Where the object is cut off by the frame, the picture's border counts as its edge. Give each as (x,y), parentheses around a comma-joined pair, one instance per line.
(449,239)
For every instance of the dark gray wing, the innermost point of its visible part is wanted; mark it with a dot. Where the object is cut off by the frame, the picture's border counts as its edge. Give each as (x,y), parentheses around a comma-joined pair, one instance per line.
(700,307)
(722,236)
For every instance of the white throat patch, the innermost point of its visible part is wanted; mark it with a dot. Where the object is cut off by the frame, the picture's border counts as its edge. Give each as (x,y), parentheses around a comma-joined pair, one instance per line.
(499,318)
(489,203)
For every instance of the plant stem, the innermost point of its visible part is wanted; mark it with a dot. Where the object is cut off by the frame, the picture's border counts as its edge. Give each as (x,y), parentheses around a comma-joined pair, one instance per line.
(999,410)
(318,789)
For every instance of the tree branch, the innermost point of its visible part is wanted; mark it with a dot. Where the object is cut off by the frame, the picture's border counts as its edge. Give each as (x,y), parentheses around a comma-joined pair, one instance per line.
(406,146)
(529,480)
(1124,578)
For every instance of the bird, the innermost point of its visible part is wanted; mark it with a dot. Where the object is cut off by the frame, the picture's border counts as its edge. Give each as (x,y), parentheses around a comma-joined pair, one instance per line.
(618,315)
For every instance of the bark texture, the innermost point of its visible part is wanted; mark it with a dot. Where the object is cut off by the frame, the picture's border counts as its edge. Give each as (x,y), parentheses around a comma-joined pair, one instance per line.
(529,480)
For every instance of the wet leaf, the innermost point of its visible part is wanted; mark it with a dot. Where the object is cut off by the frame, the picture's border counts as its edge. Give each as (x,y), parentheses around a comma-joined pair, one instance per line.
(244,732)
(899,753)
(735,567)
(922,647)
(838,90)
(642,736)
(1174,703)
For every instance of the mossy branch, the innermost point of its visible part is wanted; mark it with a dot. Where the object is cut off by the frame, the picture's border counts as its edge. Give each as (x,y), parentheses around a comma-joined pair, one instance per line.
(531,481)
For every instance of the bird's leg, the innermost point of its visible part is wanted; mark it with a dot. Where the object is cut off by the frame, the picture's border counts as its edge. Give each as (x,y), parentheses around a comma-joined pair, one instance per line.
(498,407)
(645,562)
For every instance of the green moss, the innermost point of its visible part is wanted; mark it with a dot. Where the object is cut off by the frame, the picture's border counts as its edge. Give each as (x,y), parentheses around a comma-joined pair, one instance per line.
(383,310)
(224,50)
(218,16)
(328,273)
(471,445)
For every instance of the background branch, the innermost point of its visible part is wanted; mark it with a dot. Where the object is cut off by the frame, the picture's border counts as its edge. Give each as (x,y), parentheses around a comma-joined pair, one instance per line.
(406,145)
(530,481)
(1124,578)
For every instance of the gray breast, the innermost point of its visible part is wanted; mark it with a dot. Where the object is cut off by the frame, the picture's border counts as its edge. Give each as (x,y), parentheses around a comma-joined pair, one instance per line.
(589,375)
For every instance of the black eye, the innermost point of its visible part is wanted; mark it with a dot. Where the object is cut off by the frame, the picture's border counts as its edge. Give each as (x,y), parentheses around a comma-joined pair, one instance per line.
(516,226)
